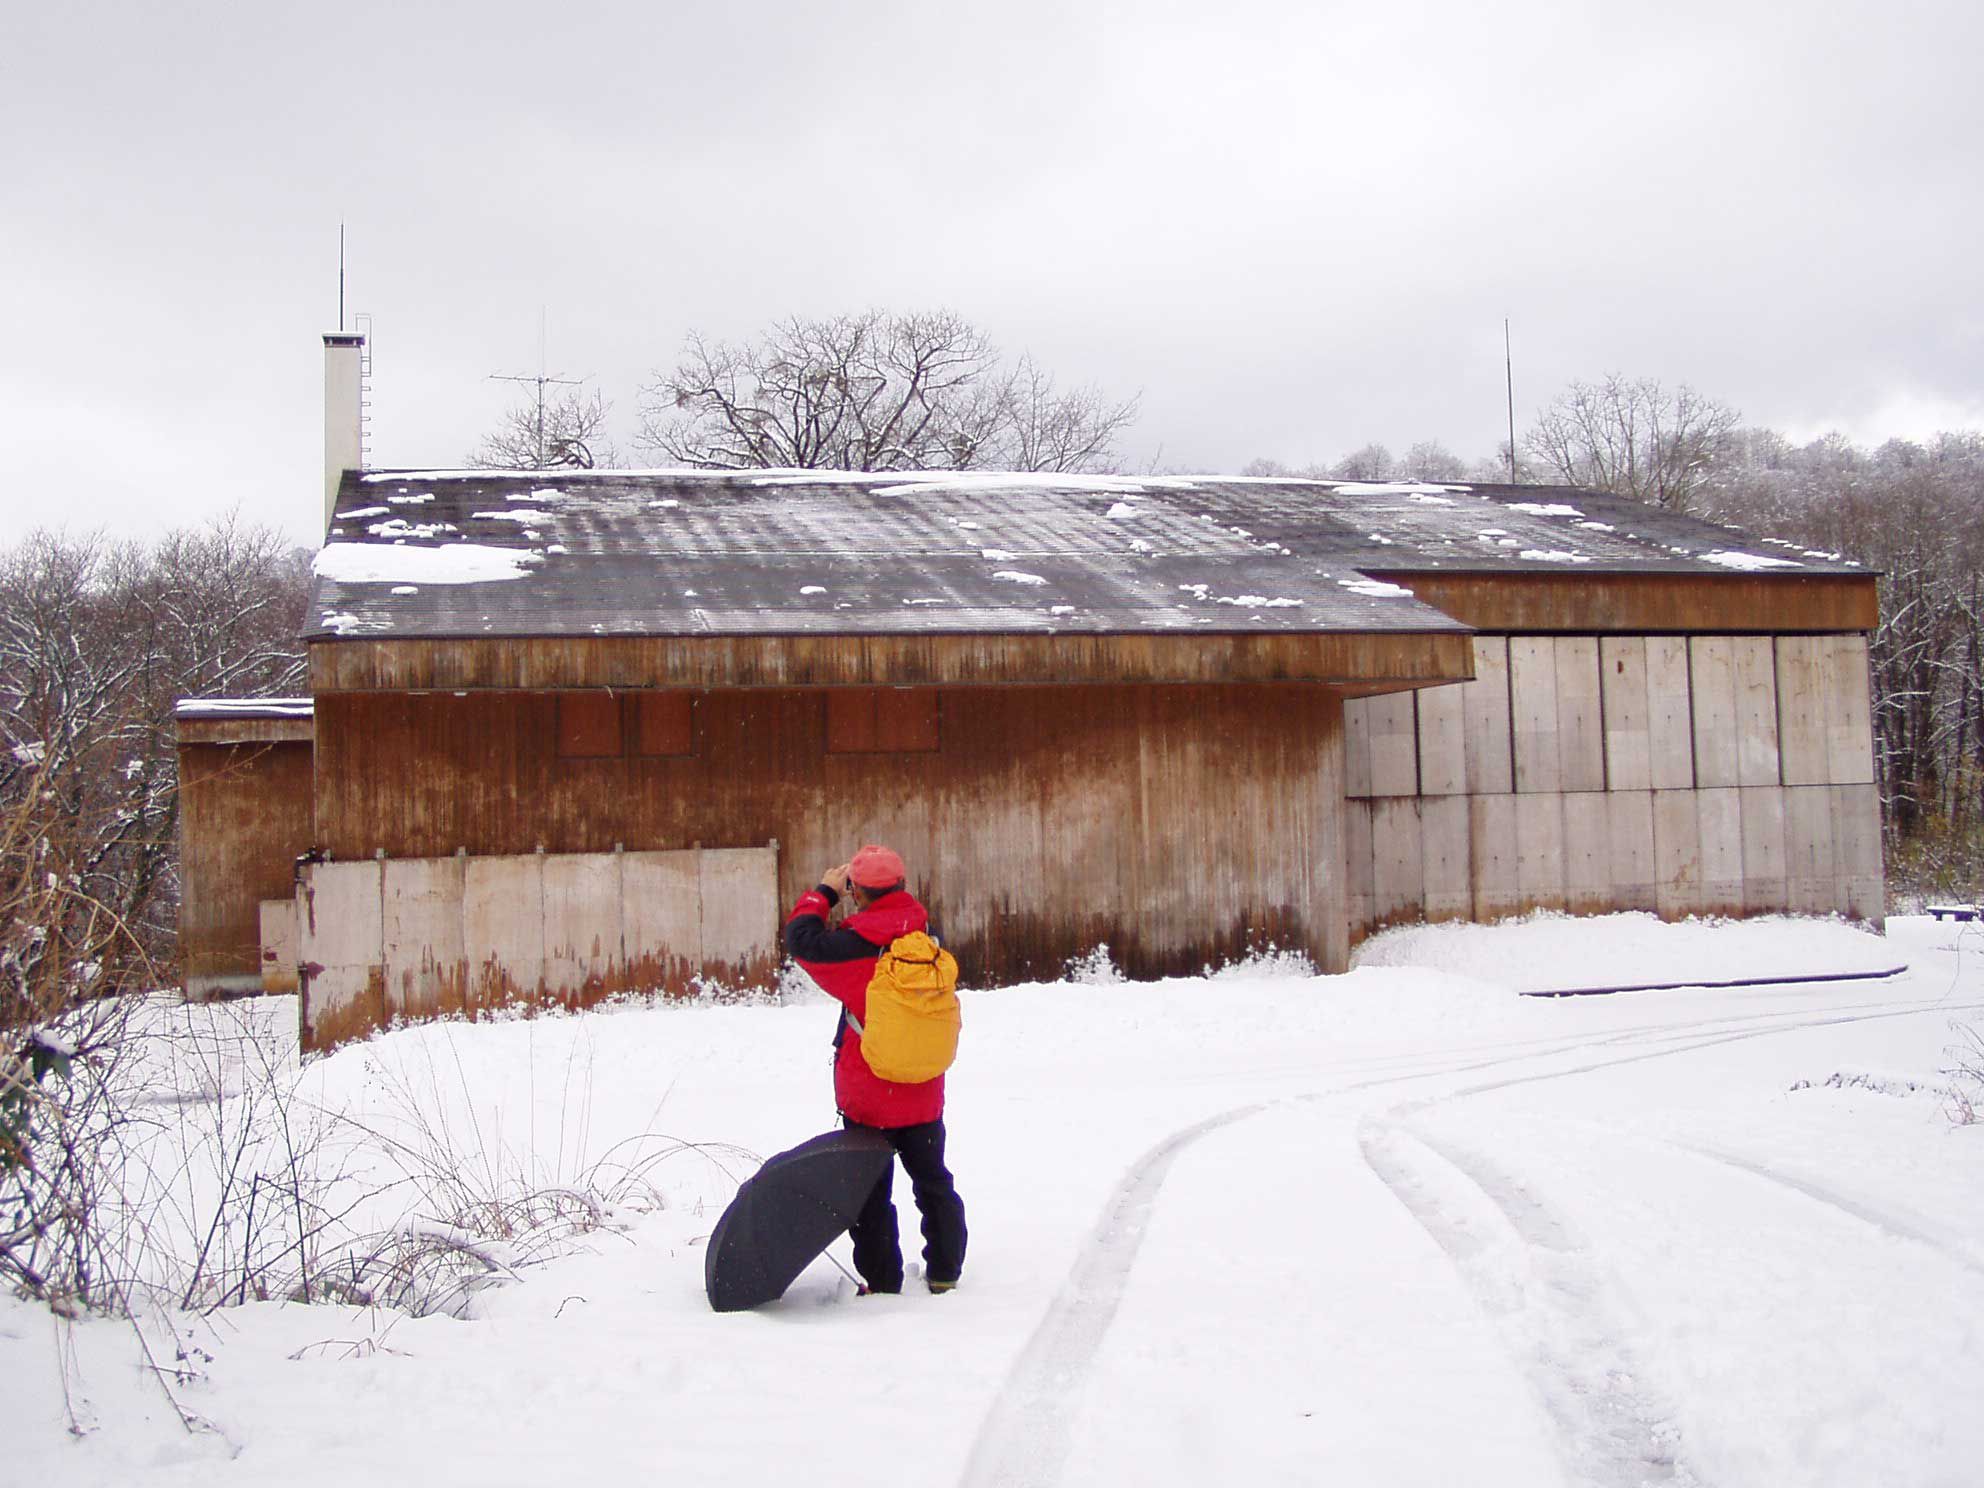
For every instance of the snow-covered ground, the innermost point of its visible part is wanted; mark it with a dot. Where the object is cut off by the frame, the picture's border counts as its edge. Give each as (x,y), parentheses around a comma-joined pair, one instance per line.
(1397,1227)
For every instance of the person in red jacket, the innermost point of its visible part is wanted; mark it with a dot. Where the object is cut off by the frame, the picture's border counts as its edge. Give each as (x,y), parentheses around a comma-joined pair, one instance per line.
(842,960)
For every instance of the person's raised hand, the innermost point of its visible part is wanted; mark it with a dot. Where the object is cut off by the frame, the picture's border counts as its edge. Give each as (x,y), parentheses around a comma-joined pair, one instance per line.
(836,878)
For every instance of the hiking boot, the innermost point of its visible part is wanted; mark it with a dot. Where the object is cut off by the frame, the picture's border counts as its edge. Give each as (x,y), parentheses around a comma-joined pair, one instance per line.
(864,1290)
(938,1288)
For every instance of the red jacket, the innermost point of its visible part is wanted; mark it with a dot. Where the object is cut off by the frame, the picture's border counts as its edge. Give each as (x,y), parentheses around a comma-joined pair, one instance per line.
(843,961)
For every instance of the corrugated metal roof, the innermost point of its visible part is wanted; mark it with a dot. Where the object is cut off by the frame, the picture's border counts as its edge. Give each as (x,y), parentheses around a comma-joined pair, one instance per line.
(478,553)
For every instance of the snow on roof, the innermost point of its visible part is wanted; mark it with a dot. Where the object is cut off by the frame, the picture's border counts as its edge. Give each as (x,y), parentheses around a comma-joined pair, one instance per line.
(277,707)
(675,552)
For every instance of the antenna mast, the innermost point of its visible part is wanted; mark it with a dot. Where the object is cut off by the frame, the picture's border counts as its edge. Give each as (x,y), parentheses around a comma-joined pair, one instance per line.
(1509,368)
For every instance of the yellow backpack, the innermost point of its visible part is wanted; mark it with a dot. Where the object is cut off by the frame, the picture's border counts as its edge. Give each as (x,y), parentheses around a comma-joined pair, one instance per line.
(913,1014)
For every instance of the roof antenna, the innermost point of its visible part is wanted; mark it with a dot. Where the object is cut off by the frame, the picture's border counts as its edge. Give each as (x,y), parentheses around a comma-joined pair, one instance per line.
(1509,368)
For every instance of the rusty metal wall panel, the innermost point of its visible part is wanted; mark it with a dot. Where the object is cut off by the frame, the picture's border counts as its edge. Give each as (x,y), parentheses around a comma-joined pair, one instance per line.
(1587,853)
(1669,719)
(1533,706)
(244,818)
(1580,723)
(426,966)
(1765,890)
(1721,815)
(662,916)
(1442,722)
(582,924)
(1712,688)
(1677,853)
(279,946)
(1811,867)
(340,945)
(1754,661)
(1540,850)
(503,929)
(1493,867)
(1178,824)
(739,887)
(1801,710)
(1445,858)
(1622,695)
(1849,711)
(1490,740)
(1632,868)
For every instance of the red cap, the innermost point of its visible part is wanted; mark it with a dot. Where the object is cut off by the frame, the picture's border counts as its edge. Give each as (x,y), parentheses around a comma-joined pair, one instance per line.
(876,868)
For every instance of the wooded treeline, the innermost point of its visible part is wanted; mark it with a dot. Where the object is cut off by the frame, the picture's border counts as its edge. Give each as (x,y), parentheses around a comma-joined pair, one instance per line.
(98,641)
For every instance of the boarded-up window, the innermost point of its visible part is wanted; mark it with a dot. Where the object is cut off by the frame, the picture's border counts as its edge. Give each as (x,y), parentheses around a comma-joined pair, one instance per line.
(664,723)
(588,725)
(881,720)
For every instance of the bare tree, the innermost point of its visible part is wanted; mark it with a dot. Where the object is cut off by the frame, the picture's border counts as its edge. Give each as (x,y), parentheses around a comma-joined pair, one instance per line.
(566,430)
(1633,438)
(1430,460)
(875,391)
(1371,463)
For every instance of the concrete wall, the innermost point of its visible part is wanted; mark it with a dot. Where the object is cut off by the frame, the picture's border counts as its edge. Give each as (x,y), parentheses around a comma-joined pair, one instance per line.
(1710,774)
(408,938)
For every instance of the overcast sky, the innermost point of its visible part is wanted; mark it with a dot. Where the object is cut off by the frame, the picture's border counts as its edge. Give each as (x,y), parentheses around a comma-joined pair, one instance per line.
(1295,228)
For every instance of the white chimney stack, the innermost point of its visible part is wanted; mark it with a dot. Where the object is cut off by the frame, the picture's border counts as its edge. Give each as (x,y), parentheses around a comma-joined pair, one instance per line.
(344,413)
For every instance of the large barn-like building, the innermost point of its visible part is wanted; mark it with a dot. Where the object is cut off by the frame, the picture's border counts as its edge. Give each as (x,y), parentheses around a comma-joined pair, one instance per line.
(580,732)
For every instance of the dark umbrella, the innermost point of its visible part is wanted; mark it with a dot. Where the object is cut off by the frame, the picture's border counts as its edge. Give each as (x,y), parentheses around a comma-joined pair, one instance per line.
(787,1213)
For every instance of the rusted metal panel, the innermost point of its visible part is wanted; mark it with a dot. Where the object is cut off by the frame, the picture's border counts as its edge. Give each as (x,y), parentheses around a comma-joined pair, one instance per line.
(1849,711)
(1493,867)
(1677,853)
(1580,724)
(426,966)
(1765,890)
(1754,661)
(1357,748)
(1360,904)
(1628,604)
(582,925)
(1398,878)
(1712,687)
(1177,824)
(1540,850)
(1669,719)
(1442,722)
(730,661)
(278,921)
(503,929)
(1802,731)
(340,946)
(1721,814)
(1490,742)
(1856,832)
(1587,853)
(662,912)
(1445,857)
(1632,868)
(244,818)
(1533,703)
(1811,867)
(1394,750)
(1622,694)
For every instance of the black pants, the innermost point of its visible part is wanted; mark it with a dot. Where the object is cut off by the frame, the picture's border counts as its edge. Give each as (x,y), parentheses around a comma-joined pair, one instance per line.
(877,1247)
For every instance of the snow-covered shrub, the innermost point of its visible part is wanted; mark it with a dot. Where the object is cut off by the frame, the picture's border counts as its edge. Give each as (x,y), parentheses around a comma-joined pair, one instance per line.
(1094,969)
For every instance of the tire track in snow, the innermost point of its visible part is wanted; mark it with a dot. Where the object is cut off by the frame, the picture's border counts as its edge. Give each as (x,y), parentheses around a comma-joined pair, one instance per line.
(1025,1438)
(1887,1220)
(1026,1435)
(1547,1291)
